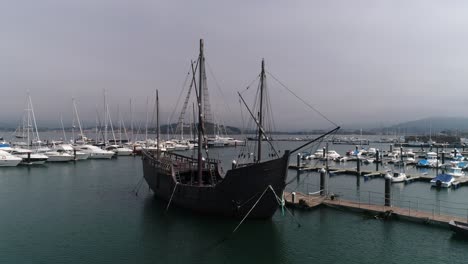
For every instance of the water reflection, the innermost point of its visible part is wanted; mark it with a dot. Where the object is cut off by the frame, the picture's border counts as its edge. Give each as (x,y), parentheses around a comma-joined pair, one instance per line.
(181,236)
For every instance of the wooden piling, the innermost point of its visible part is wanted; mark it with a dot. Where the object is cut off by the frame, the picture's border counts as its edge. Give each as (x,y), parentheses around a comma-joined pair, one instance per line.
(322,181)
(401,155)
(358,179)
(388,183)
(377,159)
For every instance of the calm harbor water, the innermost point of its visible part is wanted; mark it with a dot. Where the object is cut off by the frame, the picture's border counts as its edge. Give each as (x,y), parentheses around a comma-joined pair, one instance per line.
(87,212)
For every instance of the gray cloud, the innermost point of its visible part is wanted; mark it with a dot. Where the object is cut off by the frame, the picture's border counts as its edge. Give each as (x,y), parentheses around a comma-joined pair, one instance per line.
(357,61)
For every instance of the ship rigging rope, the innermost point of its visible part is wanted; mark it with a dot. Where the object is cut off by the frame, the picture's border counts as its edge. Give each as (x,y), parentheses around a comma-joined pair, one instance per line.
(219,88)
(302,100)
(255,204)
(278,200)
(180,96)
(281,203)
(172,195)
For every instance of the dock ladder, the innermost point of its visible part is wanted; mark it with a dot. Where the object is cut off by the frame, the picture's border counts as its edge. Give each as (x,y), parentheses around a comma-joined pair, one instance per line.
(177,174)
(213,177)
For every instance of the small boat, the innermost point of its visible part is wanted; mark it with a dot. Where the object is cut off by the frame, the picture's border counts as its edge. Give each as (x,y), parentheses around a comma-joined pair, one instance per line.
(30,158)
(455,171)
(56,156)
(307,156)
(8,160)
(119,150)
(397,177)
(331,155)
(430,161)
(94,152)
(67,148)
(442,180)
(459,227)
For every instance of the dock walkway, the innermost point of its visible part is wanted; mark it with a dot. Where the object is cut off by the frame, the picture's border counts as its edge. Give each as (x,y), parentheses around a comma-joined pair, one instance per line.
(312,201)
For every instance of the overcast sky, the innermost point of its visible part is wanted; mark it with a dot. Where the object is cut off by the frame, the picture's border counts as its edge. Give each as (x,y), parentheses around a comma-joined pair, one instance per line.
(358,62)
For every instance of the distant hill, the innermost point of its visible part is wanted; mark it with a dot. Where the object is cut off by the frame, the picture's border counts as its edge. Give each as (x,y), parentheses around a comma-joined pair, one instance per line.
(209,129)
(436,124)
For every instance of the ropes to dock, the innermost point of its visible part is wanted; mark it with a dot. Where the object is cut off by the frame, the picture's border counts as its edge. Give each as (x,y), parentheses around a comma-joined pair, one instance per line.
(172,195)
(245,217)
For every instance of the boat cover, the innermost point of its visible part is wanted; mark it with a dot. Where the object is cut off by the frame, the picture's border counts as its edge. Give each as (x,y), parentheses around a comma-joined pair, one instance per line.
(423,163)
(443,178)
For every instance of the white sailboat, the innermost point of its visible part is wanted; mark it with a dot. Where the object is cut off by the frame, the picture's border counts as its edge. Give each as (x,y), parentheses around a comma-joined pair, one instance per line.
(32,135)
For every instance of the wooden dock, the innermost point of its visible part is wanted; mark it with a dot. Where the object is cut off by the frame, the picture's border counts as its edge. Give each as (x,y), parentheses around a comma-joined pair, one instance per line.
(304,201)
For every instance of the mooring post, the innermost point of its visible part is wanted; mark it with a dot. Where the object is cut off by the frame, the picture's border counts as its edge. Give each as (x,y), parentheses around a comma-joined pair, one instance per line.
(326,161)
(74,154)
(298,160)
(391,147)
(401,155)
(377,159)
(322,181)
(324,153)
(234,164)
(443,157)
(29,157)
(358,179)
(388,183)
(293,197)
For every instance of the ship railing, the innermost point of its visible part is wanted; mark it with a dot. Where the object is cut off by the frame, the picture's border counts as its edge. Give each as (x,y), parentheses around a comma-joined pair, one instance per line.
(179,163)
(182,158)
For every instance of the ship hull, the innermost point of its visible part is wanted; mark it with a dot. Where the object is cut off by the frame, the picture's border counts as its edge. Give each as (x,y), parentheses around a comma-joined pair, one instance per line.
(232,196)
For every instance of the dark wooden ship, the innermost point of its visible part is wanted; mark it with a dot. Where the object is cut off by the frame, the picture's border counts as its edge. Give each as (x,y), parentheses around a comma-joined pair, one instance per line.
(199,184)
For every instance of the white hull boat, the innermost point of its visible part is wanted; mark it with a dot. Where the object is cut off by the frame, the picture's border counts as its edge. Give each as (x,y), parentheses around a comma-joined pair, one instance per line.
(8,160)
(95,152)
(398,177)
(55,156)
(442,181)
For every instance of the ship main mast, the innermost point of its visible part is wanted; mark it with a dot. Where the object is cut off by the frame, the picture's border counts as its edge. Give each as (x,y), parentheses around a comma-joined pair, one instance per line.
(200,113)
(260,114)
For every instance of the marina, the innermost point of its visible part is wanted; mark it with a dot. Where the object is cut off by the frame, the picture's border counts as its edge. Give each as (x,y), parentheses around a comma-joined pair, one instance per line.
(98,214)
(330,132)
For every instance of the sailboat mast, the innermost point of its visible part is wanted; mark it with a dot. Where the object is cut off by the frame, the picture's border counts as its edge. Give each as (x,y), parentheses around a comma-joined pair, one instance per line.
(34,120)
(260,115)
(105,119)
(78,119)
(131,120)
(200,112)
(63,129)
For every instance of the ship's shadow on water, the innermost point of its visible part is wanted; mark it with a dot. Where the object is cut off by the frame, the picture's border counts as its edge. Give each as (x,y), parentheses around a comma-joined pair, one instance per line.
(178,235)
